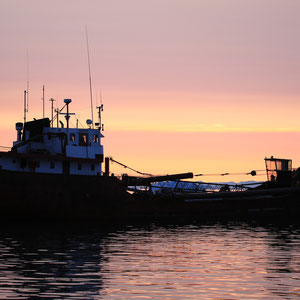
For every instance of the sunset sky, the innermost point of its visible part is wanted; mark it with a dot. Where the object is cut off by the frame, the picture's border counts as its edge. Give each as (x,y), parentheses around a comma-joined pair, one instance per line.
(207,86)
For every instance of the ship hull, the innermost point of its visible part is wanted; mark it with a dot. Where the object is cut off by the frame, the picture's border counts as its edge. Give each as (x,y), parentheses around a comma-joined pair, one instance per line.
(34,197)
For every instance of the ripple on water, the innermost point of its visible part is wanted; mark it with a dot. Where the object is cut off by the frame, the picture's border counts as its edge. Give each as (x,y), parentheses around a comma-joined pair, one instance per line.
(231,261)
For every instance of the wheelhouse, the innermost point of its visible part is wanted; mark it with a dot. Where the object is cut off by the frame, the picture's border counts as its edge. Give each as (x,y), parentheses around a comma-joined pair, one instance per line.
(278,169)
(42,148)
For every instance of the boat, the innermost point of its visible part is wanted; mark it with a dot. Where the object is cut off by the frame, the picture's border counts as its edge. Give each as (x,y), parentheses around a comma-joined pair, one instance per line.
(277,197)
(55,173)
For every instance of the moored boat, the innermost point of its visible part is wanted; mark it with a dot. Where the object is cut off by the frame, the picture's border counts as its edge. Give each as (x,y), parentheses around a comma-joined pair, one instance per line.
(55,172)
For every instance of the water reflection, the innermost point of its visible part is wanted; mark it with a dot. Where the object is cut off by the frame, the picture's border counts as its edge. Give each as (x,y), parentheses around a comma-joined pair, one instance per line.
(49,262)
(284,260)
(189,261)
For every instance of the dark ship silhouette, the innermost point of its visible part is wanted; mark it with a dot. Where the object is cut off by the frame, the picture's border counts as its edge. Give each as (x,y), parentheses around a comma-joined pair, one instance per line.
(55,173)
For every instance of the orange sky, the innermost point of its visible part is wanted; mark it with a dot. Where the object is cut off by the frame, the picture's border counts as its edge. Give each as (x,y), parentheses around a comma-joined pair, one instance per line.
(202,86)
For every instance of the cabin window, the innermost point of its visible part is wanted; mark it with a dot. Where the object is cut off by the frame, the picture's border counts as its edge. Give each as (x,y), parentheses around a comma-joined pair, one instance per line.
(83,139)
(95,138)
(93,167)
(14,161)
(79,166)
(72,137)
(52,165)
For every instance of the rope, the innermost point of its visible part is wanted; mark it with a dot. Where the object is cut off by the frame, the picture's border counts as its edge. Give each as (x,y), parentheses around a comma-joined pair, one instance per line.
(252,173)
(136,171)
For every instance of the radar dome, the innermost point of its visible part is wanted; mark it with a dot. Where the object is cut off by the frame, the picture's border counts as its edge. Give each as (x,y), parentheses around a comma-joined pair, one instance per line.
(67,101)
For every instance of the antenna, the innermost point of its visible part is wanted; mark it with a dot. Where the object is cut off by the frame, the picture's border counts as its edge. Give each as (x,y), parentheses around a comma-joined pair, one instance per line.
(52,100)
(27,98)
(57,114)
(43,99)
(67,114)
(100,109)
(90,77)
(25,103)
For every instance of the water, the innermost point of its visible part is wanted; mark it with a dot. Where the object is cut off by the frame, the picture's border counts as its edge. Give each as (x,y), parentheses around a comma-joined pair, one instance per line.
(189,261)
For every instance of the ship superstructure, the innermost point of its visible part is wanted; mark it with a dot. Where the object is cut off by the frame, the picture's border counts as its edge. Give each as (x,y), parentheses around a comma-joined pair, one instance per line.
(42,148)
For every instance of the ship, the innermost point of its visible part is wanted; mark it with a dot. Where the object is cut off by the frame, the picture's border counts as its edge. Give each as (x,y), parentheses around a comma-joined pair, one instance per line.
(54,172)
(277,198)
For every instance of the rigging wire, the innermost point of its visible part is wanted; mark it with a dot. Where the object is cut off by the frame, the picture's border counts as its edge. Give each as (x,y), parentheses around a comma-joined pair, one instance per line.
(80,123)
(252,173)
(59,111)
(127,167)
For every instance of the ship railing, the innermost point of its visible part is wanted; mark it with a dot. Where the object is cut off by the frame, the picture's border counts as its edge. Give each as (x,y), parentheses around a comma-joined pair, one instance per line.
(180,186)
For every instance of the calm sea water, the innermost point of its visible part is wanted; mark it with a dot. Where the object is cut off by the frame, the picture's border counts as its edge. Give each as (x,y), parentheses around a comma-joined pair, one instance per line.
(190,261)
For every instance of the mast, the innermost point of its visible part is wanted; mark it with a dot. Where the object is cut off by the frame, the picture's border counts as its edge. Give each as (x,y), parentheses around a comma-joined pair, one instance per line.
(100,109)
(90,77)
(27,90)
(57,114)
(52,100)
(25,103)
(67,116)
(43,99)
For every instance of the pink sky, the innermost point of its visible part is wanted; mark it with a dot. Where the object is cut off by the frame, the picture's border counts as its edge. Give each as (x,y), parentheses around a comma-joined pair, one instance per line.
(194,85)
